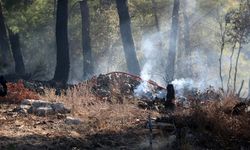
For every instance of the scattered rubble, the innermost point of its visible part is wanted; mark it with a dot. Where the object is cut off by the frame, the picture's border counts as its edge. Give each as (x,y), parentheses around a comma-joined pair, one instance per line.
(120,83)
(41,107)
(72,121)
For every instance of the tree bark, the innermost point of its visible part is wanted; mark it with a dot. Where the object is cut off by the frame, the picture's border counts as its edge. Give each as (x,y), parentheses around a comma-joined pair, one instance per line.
(173,42)
(86,44)
(17,53)
(62,59)
(127,39)
(241,86)
(236,65)
(223,34)
(4,41)
(231,67)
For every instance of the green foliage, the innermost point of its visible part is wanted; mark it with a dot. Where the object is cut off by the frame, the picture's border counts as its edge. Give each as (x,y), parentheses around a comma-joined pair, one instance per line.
(35,22)
(238,23)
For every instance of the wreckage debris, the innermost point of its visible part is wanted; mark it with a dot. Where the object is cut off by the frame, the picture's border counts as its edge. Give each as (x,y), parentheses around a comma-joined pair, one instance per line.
(119,83)
(148,93)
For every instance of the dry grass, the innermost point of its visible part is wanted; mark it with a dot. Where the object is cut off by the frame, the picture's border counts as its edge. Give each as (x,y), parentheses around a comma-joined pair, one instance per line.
(213,118)
(216,119)
(100,114)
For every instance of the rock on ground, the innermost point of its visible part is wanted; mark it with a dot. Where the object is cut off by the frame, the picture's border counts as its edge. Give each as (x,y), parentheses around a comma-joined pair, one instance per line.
(41,107)
(72,121)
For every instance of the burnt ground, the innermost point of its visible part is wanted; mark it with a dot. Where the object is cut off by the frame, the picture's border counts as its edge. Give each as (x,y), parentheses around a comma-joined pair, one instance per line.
(21,131)
(18,131)
(203,125)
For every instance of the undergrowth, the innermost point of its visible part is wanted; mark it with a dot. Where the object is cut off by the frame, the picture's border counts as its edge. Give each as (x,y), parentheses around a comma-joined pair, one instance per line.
(216,123)
(17,92)
(100,114)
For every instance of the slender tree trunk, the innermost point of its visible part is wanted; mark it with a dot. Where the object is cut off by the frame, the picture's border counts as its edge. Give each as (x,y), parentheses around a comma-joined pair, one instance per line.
(223,34)
(173,42)
(17,53)
(62,59)
(241,86)
(127,39)
(86,45)
(236,66)
(4,41)
(231,67)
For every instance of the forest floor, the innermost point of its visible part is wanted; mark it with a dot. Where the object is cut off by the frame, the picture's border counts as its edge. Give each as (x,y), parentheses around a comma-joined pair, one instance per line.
(112,123)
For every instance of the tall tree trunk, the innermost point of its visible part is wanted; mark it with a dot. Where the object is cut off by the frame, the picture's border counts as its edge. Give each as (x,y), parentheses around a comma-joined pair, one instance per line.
(17,53)
(241,86)
(4,42)
(230,68)
(223,34)
(173,42)
(62,59)
(86,45)
(127,39)
(236,65)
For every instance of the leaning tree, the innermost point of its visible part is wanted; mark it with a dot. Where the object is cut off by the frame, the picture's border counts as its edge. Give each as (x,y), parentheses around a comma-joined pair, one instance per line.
(127,38)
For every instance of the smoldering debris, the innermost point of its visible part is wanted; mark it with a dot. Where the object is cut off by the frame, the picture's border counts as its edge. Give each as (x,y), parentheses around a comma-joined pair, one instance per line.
(126,85)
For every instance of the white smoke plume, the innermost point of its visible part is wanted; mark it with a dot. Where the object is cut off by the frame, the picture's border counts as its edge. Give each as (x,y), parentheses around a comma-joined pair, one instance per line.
(153,67)
(143,90)
(204,75)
